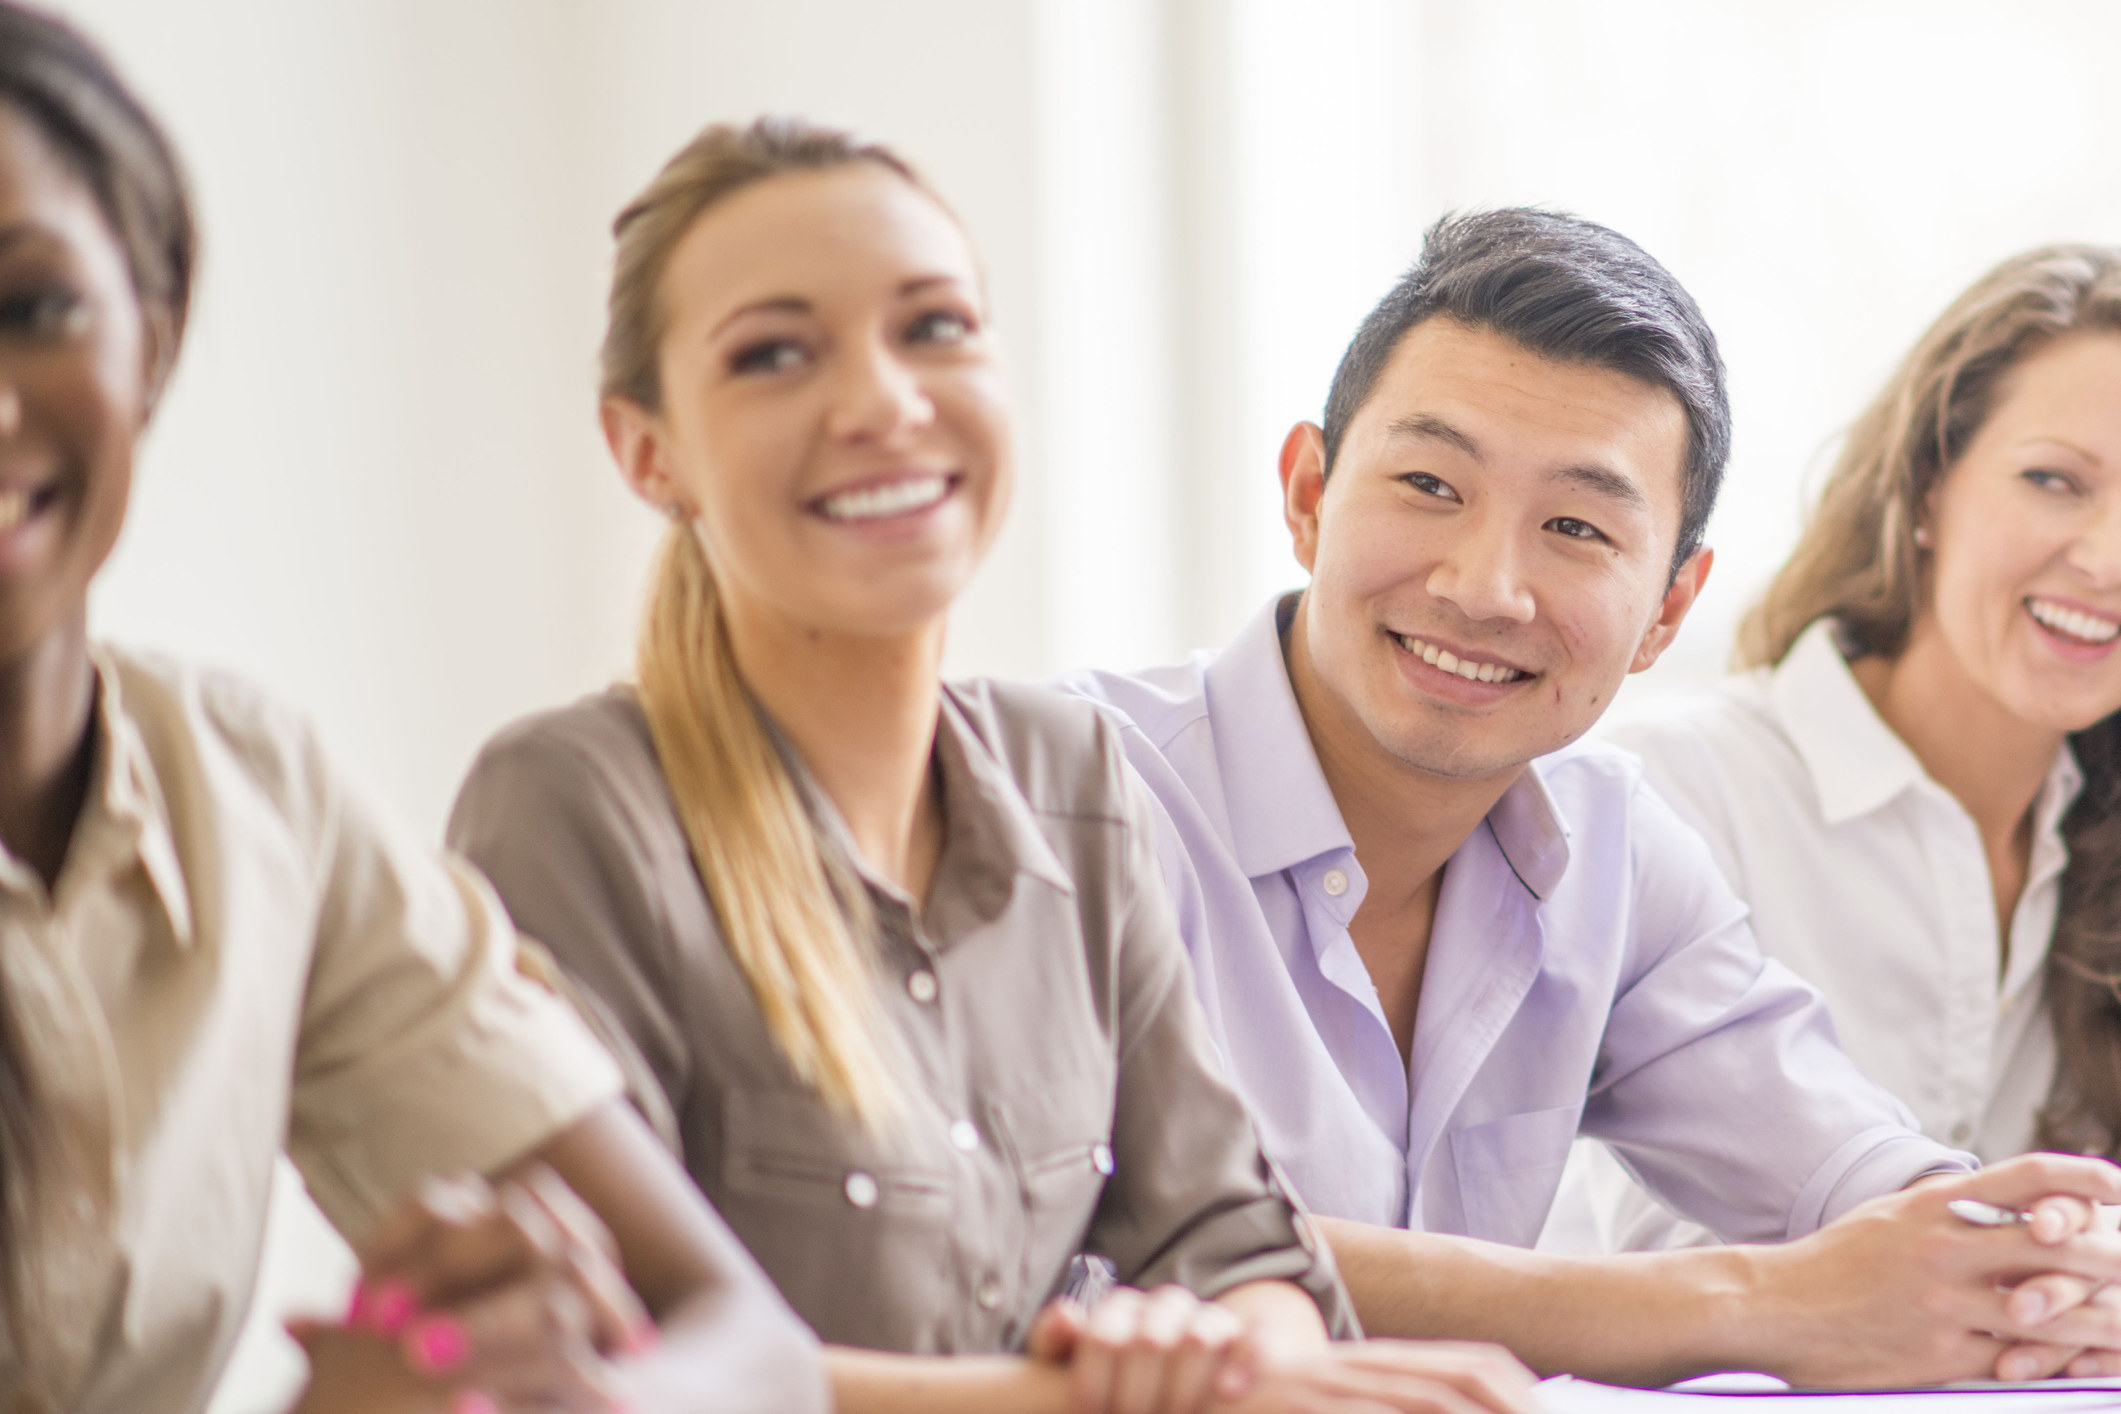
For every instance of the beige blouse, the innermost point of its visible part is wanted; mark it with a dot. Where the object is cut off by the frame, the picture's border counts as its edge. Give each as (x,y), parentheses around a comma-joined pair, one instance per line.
(239,951)
(1066,1096)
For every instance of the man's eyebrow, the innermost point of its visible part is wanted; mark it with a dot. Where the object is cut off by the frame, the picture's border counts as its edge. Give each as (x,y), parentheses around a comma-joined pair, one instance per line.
(1603,481)
(780,304)
(1435,429)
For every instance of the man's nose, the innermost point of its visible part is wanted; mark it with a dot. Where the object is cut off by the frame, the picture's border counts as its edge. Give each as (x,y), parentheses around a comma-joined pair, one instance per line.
(876,395)
(1481,573)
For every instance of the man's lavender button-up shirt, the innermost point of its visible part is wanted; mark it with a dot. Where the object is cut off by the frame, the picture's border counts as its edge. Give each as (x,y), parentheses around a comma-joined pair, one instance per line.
(1589,972)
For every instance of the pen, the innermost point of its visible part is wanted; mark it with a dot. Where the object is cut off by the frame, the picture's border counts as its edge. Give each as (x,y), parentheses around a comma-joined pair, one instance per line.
(1980,1214)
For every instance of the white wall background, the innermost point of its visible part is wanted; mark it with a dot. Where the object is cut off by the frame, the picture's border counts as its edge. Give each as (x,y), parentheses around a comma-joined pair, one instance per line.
(376,484)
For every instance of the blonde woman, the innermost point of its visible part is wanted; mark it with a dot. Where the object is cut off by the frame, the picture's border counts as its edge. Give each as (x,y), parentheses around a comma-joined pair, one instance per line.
(893,950)
(1915,780)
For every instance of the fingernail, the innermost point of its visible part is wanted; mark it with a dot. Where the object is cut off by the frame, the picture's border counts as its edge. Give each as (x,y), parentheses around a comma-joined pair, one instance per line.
(473,1401)
(2032,1307)
(643,1339)
(436,1345)
(357,1306)
(391,1306)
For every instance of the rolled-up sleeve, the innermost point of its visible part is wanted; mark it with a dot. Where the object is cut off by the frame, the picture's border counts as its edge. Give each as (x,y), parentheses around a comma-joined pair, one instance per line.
(422,1049)
(1194,1200)
(1720,1085)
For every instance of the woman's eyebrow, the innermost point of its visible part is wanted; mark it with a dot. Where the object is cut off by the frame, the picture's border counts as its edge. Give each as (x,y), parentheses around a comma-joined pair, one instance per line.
(2062,442)
(779,304)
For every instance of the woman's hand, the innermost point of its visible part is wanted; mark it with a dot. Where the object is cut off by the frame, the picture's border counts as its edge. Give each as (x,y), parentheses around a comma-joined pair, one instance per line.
(1377,1376)
(359,1372)
(512,1291)
(1159,1352)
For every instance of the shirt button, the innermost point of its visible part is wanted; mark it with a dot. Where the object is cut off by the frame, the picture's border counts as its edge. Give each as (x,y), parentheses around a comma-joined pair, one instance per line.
(965,1135)
(989,1294)
(1336,882)
(1101,1157)
(1961,1132)
(861,1189)
(921,986)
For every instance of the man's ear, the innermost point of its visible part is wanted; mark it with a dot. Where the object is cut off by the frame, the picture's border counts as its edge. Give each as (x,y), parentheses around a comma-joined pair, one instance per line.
(1686,588)
(636,437)
(1303,485)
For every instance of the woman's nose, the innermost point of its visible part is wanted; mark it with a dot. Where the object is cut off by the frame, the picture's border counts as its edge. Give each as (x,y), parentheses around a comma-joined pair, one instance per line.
(878,396)
(10,408)
(2097,552)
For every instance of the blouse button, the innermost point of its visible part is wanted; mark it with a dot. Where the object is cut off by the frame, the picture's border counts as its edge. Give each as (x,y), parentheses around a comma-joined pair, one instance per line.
(1961,1132)
(989,1294)
(964,1135)
(921,986)
(1101,1157)
(861,1189)
(1336,882)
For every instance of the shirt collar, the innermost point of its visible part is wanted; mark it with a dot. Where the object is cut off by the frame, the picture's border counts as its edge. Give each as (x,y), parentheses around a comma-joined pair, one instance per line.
(1856,762)
(124,817)
(1282,812)
(990,833)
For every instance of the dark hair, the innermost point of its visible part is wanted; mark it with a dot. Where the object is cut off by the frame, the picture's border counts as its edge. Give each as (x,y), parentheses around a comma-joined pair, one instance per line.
(1566,289)
(64,84)
(66,87)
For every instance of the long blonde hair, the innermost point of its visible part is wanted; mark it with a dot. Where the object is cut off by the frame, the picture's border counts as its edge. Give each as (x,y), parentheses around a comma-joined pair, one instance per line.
(793,922)
(1859,562)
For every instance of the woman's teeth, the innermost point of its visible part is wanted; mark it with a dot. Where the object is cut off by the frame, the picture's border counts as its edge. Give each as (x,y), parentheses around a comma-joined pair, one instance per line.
(2073,623)
(1465,667)
(14,509)
(894,498)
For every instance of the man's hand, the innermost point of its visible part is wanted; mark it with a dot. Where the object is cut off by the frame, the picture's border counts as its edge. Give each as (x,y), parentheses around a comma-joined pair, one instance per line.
(1900,1291)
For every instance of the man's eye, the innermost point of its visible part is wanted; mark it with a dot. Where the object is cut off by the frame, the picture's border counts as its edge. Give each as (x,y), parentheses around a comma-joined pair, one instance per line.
(940,327)
(42,314)
(1575,529)
(772,356)
(1430,486)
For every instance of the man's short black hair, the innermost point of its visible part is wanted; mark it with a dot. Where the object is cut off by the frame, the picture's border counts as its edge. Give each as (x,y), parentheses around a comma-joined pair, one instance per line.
(1566,289)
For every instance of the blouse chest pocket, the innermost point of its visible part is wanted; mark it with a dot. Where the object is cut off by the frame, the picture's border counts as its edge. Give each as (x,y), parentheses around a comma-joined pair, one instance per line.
(1509,1169)
(1060,1142)
(855,1234)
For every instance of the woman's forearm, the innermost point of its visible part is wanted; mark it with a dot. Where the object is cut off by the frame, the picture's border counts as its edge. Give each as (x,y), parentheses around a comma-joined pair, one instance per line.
(874,1382)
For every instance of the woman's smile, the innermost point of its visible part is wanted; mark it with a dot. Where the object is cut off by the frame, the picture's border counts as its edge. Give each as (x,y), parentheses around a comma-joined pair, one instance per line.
(893,496)
(2079,633)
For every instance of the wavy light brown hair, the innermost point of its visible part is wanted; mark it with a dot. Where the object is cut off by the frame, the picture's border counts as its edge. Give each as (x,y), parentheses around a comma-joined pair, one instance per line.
(1858,562)
(795,926)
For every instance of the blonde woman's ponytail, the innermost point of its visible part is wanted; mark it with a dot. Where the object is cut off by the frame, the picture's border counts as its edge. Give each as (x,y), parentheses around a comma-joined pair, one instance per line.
(795,926)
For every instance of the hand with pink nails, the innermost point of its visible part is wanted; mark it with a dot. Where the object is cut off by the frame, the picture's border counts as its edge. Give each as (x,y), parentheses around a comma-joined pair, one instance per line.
(508,1296)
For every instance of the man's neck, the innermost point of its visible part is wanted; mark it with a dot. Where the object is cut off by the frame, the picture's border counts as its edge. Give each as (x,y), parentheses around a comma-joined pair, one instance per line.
(1406,822)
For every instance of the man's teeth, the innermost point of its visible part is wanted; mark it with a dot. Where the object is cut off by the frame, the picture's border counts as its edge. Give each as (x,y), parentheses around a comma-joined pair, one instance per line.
(14,509)
(891,499)
(2077,624)
(1465,667)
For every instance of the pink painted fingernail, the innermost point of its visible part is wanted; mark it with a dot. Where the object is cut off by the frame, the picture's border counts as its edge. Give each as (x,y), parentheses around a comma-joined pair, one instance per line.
(473,1401)
(391,1306)
(436,1345)
(357,1306)
(643,1339)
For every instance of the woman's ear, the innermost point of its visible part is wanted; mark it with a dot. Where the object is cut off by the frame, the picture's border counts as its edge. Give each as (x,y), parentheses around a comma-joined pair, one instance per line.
(637,440)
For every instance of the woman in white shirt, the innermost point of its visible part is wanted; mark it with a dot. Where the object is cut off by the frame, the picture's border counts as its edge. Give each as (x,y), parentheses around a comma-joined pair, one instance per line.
(1914,782)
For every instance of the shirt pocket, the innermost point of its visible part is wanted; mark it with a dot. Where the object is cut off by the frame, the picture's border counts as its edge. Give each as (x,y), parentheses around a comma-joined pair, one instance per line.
(1061,1145)
(855,1232)
(1509,1170)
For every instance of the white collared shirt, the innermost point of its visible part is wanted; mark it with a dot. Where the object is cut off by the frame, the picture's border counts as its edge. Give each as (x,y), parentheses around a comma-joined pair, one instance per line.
(1869,879)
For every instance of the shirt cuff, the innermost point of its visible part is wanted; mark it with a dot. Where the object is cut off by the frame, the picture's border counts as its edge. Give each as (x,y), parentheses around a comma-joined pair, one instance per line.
(1876,1162)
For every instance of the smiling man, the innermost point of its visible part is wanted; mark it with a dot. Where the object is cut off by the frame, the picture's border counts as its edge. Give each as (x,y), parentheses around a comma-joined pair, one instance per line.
(1438,938)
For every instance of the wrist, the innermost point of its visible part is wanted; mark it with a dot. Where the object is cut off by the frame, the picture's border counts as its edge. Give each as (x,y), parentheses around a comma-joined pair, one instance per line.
(1765,1321)
(1732,1309)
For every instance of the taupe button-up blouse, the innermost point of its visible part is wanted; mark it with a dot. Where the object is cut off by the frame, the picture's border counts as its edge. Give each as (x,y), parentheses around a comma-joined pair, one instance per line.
(1065,1096)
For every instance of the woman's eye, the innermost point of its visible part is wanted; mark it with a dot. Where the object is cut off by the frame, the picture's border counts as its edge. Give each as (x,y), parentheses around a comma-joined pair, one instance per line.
(2047,480)
(1575,529)
(42,314)
(772,356)
(1430,486)
(940,327)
